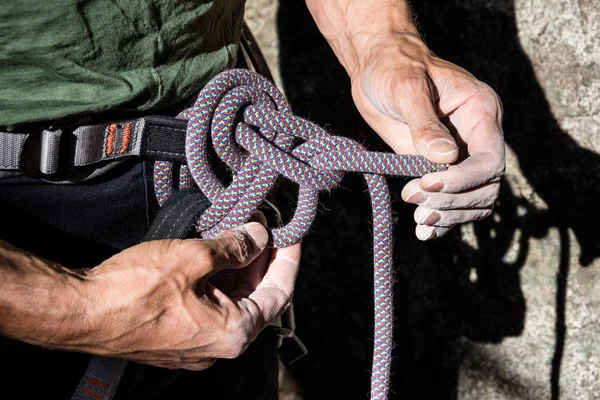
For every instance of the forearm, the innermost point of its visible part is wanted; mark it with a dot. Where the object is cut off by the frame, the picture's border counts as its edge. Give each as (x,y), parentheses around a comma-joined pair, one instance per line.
(39,300)
(352,26)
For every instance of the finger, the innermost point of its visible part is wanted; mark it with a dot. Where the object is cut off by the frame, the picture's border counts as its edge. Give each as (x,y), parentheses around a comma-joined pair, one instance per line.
(274,293)
(191,366)
(481,197)
(249,278)
(237,247)
(424,232)
(478,118)
(231,281)
(222,300)
(428,216)
(486,162)
(199,366)
(416,104)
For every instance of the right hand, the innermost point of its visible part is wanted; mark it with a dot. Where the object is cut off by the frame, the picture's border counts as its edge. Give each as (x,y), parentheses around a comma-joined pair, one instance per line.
(153,303)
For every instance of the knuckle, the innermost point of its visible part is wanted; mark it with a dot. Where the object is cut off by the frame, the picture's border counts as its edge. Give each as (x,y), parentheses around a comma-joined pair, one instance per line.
(442,202)
(234,350)
(204,254)
(236,336)
(413,83)
(419,67)
(488,97)
(206,364)
(495,191)
(431,129)
(481,202)
(483,214)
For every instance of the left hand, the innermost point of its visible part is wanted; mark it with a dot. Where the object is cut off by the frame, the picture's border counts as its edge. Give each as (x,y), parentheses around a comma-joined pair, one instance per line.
(421,104)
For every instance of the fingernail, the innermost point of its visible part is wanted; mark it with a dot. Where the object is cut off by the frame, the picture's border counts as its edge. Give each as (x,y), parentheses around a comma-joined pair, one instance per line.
(425,232)
(441,146)
(432,235)
(434,187)
(258,234)
(417,197)
(432,218)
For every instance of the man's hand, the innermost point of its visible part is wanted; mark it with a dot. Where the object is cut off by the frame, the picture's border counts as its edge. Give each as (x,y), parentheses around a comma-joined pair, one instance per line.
(153,303)
(420,104)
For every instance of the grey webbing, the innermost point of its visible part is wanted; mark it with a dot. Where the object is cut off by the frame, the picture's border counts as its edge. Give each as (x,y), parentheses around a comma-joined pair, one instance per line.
(11,146)
(49,151)
(101,379)
(88,144)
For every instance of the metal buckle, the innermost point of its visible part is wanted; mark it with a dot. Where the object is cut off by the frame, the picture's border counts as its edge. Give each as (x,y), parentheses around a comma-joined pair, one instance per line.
(288,356)
(287,330)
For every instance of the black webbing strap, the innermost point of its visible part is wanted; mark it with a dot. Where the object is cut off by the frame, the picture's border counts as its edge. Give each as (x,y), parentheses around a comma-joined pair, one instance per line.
(163,138)
(176,218)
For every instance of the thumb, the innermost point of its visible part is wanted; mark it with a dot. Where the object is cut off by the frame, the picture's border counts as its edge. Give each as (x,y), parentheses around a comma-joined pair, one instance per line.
(431,138)
(237,247)
(232,249)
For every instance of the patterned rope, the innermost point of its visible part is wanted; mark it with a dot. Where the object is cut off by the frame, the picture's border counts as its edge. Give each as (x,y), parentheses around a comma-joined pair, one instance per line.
(254,132)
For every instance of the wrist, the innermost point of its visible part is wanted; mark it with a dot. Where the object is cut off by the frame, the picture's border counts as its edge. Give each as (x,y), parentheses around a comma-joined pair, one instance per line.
(40,301)
(401,49)
(353,27)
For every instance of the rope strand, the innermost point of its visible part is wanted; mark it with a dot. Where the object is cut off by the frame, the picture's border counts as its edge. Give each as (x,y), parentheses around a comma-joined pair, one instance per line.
(253,131)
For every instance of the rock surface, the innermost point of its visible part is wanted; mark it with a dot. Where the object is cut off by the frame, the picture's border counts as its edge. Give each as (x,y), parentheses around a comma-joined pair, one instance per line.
(508,308)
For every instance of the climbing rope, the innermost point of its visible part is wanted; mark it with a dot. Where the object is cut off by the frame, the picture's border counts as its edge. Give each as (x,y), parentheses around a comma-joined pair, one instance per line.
(254,132)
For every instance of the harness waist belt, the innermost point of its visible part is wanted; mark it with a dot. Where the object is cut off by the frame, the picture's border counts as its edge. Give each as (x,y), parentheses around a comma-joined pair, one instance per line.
(56,150)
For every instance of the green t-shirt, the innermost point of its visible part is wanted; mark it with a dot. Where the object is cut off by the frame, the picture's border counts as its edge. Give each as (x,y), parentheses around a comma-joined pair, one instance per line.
(61,58)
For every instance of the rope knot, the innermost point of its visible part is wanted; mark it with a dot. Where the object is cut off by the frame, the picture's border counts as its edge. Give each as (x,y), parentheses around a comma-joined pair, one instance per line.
(253,131)
(295,164)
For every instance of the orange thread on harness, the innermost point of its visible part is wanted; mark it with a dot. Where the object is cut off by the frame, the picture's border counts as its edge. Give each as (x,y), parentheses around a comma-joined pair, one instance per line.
(126,138)
(97,382)
(92,393)
(110,139)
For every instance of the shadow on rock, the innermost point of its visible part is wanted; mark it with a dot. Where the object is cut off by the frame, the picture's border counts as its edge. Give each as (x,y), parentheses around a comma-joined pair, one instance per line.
(446,289)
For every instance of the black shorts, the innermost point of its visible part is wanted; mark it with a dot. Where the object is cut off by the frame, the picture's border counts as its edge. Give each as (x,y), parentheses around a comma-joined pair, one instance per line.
(79,226)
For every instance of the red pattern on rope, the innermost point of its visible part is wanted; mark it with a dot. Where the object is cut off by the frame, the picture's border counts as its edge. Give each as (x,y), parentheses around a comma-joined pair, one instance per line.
(253,131)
